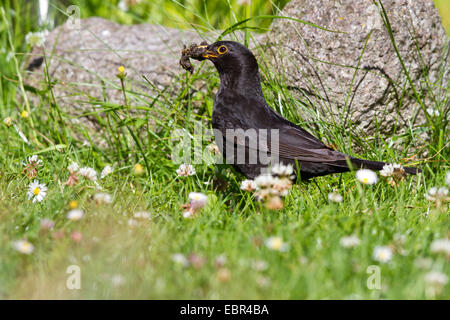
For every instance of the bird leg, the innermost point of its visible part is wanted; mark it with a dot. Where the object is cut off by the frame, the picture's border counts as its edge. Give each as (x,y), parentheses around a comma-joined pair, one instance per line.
(195,52)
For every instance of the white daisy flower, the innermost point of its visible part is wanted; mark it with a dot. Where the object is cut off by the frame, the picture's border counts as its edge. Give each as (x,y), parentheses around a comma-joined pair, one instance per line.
(142,215)
(73,168)
(106,170)
(440,246)
(366,176)
(117,280)
(264,180)
(382,254)
(34,160)
(8,122)
(180,259)
(281,186)
(282,170)
(185,170)
(187,214)
(101,198)
(248,185)
(75,214)
(350,241)
(436,278)
(88,173)
(276,243)
(133,223)
(197,200)
(23,246)
(36,191)
(260,265)
(36,38)
(335,197)
(437,194)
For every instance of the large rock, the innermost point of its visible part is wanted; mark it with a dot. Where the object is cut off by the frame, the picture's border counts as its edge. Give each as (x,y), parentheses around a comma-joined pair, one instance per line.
(320,66)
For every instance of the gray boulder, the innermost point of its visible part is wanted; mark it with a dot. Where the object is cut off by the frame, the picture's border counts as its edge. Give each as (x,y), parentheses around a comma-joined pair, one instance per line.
(367,91)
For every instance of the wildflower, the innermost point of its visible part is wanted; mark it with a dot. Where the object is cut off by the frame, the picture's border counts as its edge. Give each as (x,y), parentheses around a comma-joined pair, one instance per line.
(187,214)
(438,195)
(447,178)
(213,148)
(101,198)
(264,181)
(88,173)
(76,236)
(24,114)
(142,215)
(223,275)
(248,185)
(394,173)
(244,2)
(121,75)
(197,200)
(366,176)
(36,191)
(23,246)
(382,254)
(31,166)
(440,246)
(276,243)
(281,186)
(436,278)
(106,170)
(8,122)
(47,224)
(350,241)
(335,197)
(73,168)
(283,171)
(196,260)
(180,259)
(117,280)
(260,265)
(73,204)
(36,38)
(423,263)
(185,170)
(138,169)
(75,214)
(220,261)
(133,223)
(274,203)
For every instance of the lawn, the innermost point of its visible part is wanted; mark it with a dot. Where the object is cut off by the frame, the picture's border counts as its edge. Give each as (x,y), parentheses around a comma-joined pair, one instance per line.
(124,232)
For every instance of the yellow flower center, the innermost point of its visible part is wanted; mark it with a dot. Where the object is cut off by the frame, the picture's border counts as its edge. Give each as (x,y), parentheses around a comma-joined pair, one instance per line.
(25,246)
(121,69)
(24,114)
(365,180)
(73,204)
(36,191)
(277,243)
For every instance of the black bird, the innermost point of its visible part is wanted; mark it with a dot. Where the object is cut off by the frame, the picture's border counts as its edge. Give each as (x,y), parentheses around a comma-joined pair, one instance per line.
(240,104)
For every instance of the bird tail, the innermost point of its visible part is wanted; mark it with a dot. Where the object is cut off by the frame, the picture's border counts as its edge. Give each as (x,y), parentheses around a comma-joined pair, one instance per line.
(378,165)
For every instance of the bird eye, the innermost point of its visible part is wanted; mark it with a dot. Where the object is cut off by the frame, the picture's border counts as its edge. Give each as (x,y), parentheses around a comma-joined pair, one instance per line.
(222,49)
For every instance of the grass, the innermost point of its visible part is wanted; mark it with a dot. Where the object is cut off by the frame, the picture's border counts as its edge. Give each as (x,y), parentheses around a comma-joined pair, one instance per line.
(119,260)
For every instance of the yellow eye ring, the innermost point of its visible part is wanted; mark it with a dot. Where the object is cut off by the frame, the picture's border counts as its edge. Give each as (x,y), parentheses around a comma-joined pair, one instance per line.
(222,49)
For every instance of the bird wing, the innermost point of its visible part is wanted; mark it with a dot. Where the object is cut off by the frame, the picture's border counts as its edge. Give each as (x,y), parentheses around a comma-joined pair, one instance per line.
(293,143)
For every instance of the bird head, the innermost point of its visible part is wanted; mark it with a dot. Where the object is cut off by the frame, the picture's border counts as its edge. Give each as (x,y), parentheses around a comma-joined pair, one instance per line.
(229,56)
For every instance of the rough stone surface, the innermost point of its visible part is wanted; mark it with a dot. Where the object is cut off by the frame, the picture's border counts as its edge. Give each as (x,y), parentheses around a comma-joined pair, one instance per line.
(320,65)
(83,62)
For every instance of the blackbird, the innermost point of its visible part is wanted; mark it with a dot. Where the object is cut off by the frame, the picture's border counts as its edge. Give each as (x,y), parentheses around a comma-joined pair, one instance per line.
(240,105)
